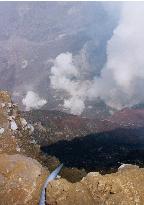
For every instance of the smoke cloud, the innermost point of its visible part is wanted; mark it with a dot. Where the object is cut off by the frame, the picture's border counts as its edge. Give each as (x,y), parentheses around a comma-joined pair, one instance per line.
(121,80)
(33,101)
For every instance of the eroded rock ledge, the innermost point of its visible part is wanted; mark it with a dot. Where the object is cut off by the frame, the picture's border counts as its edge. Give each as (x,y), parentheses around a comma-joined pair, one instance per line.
(126,187)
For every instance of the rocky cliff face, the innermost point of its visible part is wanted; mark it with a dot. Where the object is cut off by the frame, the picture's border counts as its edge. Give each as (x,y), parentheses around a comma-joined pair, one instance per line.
(12,126)
(8,142)
(15,131)
(21,177)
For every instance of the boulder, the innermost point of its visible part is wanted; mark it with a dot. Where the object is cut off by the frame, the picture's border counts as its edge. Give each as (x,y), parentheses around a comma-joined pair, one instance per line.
(21,179)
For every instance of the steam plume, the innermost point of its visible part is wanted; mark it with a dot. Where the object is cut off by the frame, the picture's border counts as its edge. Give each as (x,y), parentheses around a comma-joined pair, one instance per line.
(121,81)
(122,78)
(65,76)
(33,101)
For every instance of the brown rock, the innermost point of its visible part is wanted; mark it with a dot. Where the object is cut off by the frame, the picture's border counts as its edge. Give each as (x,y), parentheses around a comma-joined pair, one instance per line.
(21,179)
(14,140)
(125,187)
(4,96)
(7,142)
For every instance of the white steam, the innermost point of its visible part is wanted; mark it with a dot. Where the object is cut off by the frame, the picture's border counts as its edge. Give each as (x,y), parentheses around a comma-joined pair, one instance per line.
(75,105)
(33,101)
(65,76)
(121,81)
(123,76)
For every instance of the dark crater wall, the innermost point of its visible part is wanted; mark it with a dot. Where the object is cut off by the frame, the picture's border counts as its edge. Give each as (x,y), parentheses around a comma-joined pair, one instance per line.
(103,152)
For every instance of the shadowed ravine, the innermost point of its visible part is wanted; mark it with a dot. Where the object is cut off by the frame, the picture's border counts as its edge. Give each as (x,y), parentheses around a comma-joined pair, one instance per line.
(103,152)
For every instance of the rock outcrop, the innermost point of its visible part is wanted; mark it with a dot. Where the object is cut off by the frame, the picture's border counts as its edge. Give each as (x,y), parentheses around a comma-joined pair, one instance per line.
(21,180)
(8,141)
(15,132)
(126,187)
(21,177)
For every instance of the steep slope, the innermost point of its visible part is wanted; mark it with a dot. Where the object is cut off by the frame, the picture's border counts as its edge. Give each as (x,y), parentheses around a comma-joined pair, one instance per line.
(129,117)
(92,145)
(52,126)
